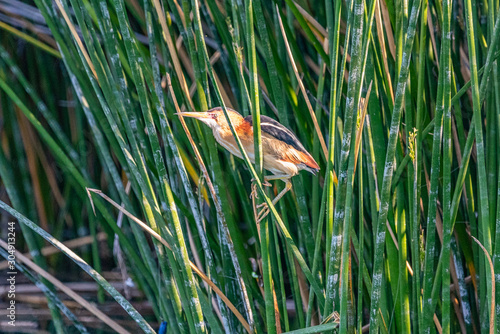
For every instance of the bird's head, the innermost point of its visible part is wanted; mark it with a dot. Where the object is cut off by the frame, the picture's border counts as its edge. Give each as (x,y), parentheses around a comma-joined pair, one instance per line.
(215,117)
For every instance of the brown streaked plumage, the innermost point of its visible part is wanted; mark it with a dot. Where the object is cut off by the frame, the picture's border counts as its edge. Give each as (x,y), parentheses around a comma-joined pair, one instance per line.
(283,154)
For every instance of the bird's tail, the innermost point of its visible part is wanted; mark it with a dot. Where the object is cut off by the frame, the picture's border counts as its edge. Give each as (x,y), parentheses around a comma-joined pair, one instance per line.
(312,170)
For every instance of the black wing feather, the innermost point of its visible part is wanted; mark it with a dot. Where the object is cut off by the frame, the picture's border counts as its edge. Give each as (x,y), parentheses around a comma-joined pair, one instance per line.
(278,131)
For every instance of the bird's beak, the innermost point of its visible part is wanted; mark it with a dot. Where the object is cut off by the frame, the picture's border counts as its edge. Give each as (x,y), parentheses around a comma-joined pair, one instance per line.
(205,117)
(197,115)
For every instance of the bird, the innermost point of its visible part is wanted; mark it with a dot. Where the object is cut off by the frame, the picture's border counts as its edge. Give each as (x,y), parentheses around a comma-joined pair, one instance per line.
(283,154)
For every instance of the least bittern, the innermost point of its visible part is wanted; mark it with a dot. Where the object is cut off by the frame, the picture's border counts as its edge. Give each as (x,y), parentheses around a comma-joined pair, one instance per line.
(283,154)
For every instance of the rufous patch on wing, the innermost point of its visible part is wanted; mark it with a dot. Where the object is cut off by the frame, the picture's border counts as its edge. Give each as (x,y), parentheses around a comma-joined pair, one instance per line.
(244,128)
(298,157)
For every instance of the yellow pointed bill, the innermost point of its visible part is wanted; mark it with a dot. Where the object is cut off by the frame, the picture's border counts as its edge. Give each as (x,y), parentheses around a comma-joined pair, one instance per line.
(194,114)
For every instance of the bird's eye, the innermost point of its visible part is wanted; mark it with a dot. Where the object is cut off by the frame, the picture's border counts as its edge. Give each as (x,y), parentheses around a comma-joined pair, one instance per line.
(214,116)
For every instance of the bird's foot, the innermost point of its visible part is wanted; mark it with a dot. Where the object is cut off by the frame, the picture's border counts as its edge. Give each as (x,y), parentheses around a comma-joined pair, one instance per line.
(263,206)
(265,183)
(253,193)
(262,213)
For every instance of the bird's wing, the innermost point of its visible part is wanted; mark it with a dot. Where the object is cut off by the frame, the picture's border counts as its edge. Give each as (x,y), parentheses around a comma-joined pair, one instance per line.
(297,155)
(278,131)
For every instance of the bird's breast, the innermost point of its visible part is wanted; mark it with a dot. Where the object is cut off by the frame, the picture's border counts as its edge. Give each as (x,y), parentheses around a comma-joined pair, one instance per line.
(274,151)
(226,139)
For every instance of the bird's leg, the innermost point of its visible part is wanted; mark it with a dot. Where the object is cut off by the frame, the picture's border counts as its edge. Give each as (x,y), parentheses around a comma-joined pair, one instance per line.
(253,196)
(265,183)
(288,185)
(253,193)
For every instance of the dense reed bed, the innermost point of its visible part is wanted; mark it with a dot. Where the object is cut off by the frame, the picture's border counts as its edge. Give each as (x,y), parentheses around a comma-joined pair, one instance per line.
(398,102)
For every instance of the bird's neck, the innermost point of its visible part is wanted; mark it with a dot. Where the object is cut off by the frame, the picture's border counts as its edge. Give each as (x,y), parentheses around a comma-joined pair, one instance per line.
(242,128)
